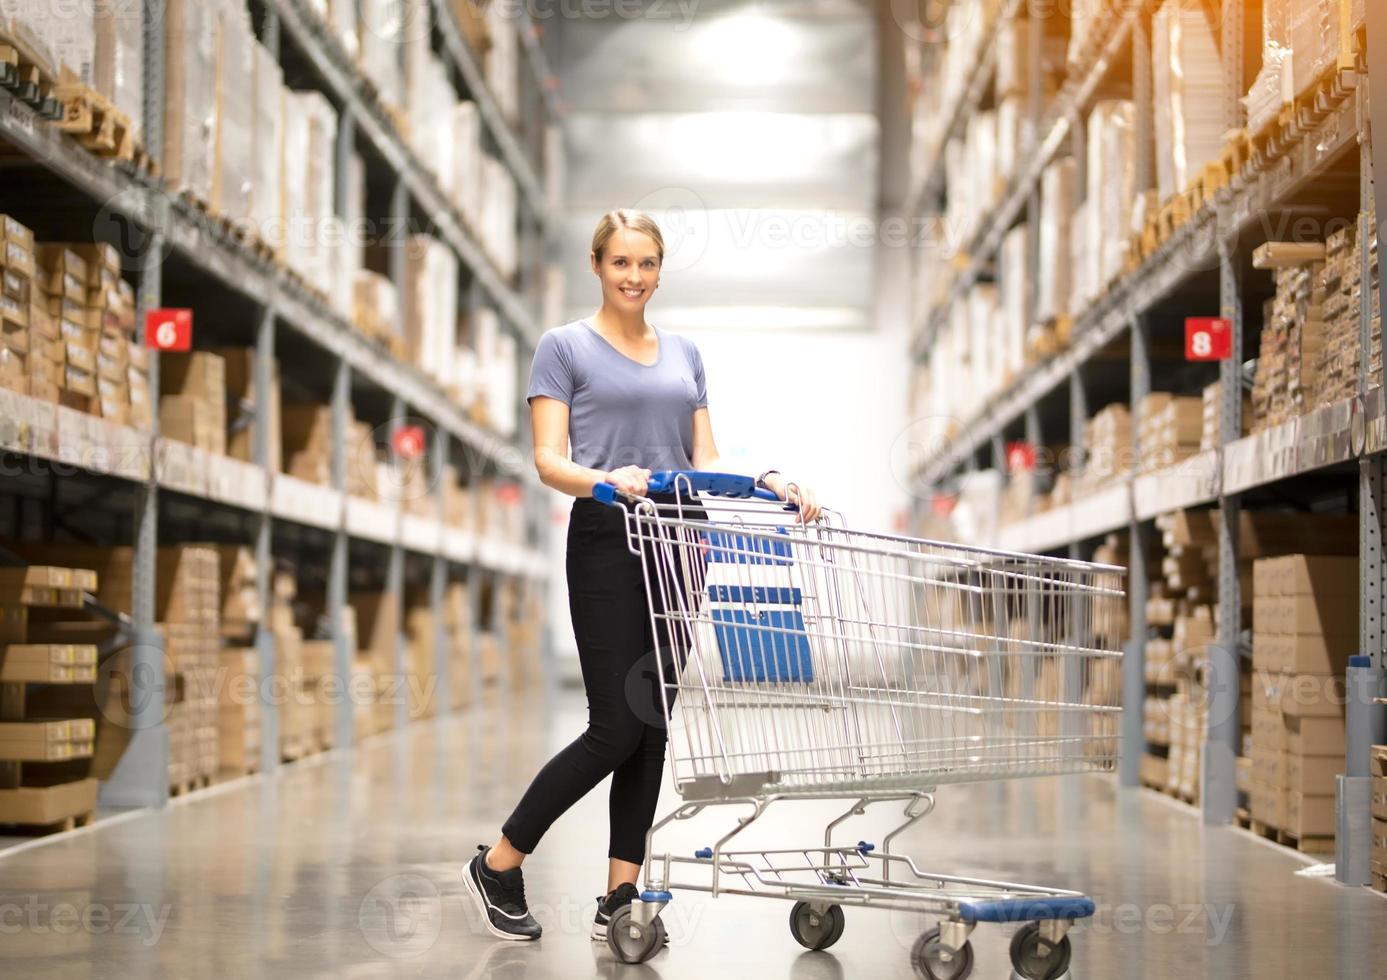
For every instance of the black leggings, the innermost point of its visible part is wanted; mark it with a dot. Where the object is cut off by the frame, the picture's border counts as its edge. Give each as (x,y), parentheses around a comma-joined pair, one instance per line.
(626,720)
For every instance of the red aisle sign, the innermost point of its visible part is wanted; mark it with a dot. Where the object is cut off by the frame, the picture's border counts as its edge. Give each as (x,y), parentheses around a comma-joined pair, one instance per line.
(1208,338)
(408,442)
(1020,457)
(168,329)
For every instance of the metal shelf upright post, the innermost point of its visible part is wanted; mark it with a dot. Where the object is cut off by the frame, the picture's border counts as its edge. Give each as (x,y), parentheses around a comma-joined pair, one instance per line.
(1218,766)
(264,538)
(438,574)
(141,778)
(1138,590)
(1366,721)
(395,575)
(343,649)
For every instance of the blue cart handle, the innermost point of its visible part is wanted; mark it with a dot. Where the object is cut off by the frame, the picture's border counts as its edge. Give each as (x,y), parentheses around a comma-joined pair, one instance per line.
(696,481)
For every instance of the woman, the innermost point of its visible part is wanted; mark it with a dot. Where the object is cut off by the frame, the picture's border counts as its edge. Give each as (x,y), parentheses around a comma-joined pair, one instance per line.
(630,399)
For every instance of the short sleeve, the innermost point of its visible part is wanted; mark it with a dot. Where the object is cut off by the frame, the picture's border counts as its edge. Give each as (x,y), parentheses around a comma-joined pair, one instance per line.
(700,382)
(551,372)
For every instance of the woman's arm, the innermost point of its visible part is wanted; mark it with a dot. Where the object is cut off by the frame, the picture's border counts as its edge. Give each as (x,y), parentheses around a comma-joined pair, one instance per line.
(705,457)
(549,424)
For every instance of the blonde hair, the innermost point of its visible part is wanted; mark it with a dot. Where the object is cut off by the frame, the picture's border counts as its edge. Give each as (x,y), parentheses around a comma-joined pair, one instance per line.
(626,219)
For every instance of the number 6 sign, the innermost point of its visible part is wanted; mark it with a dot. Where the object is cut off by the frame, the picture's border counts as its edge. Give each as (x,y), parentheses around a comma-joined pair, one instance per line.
(1208,338)
(168,329)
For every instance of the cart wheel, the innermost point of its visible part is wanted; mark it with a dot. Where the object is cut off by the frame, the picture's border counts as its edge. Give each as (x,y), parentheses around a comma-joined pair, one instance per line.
(631,941)
(933,961)
(661,935)
(1036,959)
(813,930)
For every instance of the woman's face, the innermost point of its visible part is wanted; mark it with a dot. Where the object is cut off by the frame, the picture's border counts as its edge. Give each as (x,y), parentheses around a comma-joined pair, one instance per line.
(629,270)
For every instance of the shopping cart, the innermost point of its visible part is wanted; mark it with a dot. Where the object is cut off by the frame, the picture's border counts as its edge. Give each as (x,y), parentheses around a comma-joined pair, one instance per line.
(820,663)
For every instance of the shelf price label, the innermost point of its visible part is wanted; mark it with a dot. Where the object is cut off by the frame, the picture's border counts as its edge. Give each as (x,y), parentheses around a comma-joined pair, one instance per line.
(408,442)
(168,329)
(1208,338)
(1020,457)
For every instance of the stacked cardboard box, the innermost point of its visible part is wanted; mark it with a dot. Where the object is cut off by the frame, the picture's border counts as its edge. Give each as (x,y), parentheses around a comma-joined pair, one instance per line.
(44,753)
(421,662)
(376,307)
(1316,36)
(1188,75)
(1337,365)
(1305,626)
(192,399)
(1169,430)
(267,129)
(498,216)
(238,712)
(457,625)
(1107,447)
(1210,429)
(306,434)
(378,625)
(1013,311)
(1284,372)
(244,405)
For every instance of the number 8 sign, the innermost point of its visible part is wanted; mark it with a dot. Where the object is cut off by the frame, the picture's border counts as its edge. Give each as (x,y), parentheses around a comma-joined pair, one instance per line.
(1208,338)
(168,329)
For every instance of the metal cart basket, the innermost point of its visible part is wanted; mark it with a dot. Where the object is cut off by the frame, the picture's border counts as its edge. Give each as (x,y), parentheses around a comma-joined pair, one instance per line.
(818,662)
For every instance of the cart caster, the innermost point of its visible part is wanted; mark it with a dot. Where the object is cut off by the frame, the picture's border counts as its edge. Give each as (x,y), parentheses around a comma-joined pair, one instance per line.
(1036,958)
(934,961)
(816,930)
(631,941)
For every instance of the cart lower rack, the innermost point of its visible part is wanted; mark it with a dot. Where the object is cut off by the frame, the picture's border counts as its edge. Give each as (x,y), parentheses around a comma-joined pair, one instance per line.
(815,662)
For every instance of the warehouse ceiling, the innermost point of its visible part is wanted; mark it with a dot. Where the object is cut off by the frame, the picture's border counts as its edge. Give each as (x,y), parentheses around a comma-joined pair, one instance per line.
(750,131)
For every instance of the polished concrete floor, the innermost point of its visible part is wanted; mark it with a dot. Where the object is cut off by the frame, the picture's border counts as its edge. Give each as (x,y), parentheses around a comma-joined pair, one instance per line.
(349,867)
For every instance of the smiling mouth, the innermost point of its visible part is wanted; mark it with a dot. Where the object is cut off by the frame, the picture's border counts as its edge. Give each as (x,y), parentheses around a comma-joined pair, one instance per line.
(631,293)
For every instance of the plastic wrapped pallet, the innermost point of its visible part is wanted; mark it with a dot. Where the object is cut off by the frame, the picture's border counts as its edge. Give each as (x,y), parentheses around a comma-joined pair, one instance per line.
(1313,33)
(981,138)
(267,193)
(1057,190)
(1080,285)
(431,120)
(378,30)
(310,135)
(351,256)
(984,353)
(1015,290)
(1188,76)
(959,206)
(503,60)
(233,179)
(430,305)
(1111,189)
(1014,132)
(498,217)
(190,104)
(467,162)
(118,65)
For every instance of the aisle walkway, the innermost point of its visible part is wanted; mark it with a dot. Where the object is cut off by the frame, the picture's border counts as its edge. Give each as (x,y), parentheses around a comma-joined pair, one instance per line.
(349,867)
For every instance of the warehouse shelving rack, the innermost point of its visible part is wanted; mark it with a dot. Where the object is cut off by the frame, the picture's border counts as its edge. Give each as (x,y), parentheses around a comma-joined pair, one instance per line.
(152,228)
(1129,318)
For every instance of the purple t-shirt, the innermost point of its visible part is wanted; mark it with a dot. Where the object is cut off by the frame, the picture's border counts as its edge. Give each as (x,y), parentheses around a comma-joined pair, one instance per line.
(621,412)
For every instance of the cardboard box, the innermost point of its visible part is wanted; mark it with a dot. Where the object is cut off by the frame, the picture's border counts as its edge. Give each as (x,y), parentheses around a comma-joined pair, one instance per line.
(47,804)
(1312,775)
(188,418)
(1315,736)
(1309,816)
(242,402)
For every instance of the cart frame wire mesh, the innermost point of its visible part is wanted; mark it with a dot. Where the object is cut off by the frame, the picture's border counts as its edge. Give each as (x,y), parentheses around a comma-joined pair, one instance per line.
(820,662)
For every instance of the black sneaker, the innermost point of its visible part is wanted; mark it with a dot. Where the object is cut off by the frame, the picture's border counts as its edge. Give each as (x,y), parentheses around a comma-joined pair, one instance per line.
(500,897)
(607,905)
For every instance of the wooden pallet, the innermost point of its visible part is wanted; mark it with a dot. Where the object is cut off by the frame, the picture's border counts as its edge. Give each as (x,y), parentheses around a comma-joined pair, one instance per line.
(44,829)
(1305,844)
(185,786)
(1174,215)
(91,119)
